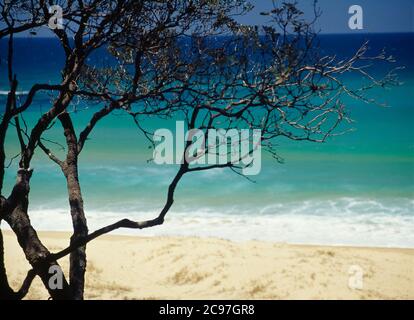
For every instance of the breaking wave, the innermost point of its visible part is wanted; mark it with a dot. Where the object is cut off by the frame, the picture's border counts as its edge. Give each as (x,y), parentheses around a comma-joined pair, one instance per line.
(344,221)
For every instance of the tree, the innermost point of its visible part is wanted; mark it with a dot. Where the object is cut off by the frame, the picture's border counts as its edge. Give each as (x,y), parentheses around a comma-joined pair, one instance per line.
(185,60)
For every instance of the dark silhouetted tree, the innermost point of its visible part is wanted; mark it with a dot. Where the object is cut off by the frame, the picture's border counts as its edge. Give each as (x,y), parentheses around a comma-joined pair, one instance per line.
(188,60)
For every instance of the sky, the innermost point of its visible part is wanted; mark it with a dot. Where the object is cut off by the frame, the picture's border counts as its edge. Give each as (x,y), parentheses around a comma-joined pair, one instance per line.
(379,16)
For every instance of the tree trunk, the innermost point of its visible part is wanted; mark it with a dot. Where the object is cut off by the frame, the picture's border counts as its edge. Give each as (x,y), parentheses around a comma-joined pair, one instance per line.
(36,253)
(80,228)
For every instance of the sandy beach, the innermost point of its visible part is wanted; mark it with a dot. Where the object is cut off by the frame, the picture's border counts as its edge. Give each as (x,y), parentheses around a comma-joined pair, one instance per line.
(124,267)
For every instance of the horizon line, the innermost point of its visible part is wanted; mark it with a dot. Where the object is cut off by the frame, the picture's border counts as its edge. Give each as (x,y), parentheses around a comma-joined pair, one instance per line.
(319,34)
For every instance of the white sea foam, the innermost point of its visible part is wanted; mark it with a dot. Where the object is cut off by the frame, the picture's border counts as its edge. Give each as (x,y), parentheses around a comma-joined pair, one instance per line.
(18,93)
(345,221)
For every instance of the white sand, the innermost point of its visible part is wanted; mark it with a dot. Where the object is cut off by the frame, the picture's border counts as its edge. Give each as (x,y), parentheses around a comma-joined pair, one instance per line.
(121,267)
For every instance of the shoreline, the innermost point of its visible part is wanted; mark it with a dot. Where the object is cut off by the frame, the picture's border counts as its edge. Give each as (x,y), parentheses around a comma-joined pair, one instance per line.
(58,234)
(135,267)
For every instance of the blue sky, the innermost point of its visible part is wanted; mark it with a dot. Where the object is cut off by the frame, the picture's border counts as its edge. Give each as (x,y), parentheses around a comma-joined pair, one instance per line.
(378,15)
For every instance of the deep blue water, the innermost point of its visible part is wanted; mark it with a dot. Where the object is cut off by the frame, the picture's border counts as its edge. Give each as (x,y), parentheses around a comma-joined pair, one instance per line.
(354,189)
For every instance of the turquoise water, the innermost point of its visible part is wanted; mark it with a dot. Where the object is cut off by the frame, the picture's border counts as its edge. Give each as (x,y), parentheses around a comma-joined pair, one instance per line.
(354,189)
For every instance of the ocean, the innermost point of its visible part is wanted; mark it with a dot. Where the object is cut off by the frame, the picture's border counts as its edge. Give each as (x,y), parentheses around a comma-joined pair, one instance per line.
(355,189)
